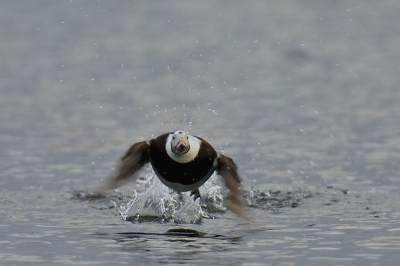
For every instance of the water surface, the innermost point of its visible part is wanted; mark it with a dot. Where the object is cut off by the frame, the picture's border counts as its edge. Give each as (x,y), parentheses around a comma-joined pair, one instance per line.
(303,95)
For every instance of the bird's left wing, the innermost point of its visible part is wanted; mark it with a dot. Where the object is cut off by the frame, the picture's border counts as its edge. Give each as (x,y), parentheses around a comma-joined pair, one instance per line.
(228,171)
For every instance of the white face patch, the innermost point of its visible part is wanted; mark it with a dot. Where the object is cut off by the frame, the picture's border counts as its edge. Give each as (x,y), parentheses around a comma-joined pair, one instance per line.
(187,157)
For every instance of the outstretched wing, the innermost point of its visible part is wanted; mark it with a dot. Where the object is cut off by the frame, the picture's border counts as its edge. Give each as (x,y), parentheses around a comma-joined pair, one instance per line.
(228,171)
(131,162)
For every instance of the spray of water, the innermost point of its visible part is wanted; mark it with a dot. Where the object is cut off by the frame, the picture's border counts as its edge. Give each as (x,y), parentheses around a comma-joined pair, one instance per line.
(153,199)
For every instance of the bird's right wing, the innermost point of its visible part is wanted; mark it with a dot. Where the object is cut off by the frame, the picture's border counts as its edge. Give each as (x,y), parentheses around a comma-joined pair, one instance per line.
(131,162)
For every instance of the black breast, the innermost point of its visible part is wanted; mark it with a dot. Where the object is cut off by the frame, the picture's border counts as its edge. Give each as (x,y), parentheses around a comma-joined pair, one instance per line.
(182,173)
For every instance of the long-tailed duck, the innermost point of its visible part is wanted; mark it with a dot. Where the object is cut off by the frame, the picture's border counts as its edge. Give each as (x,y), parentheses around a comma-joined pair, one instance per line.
(183,163)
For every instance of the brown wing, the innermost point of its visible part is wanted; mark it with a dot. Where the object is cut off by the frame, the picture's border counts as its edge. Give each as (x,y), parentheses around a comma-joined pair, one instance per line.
(228,171)
(132,161)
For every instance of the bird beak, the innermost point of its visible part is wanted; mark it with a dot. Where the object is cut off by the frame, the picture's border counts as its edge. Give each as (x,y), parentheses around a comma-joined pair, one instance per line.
(180,146)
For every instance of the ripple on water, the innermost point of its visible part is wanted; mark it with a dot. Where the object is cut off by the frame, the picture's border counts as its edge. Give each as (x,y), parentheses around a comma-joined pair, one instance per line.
(177,245)
(152,201)
(384,242)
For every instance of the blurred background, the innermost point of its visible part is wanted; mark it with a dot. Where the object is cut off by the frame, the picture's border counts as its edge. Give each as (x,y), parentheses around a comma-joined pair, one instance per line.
(291,91)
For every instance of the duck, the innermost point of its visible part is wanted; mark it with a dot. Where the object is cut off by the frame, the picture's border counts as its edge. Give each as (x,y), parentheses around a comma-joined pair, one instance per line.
(183,163)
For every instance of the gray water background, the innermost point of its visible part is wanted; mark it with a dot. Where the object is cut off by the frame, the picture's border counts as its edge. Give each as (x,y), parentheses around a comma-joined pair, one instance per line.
(304,95)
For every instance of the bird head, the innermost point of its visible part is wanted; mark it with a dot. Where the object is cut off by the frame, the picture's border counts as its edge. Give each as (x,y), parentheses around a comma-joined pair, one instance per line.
(180,142)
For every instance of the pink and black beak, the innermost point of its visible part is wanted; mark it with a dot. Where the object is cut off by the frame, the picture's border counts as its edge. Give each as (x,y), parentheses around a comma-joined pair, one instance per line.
(181,146)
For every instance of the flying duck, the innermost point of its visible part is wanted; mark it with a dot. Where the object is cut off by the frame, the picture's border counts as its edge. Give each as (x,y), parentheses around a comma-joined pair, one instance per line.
(182,162)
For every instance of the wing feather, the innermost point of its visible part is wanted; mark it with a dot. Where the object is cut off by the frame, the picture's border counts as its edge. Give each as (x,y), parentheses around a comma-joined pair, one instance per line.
(227,169)
(130,163)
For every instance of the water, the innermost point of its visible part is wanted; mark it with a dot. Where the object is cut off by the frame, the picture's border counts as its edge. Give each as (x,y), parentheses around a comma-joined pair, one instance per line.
(302,95)
(159,201)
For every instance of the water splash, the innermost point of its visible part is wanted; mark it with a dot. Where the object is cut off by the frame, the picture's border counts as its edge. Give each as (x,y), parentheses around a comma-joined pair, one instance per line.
(153,200)
(273,200)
